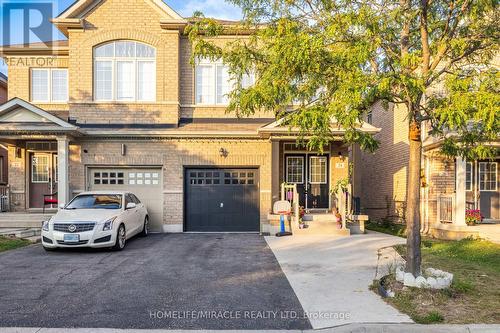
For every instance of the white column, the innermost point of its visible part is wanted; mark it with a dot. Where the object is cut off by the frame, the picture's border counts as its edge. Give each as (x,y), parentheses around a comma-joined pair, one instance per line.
(459,218)
(62,170)
(275,165)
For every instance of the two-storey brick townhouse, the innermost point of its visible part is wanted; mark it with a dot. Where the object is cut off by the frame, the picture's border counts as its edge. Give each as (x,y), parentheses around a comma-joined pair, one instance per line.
(119,106)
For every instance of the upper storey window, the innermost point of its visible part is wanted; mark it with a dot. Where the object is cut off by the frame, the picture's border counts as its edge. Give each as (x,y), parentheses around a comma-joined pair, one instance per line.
(124,71)
(213,82)
(49,85)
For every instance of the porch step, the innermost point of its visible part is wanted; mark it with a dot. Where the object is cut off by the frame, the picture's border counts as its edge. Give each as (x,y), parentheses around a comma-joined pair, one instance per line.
(320,228)
(22,220)
(330,218)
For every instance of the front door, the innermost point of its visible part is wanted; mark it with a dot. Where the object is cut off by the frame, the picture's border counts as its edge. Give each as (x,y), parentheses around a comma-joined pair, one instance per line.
(310,173)
(488,190)
(42,177)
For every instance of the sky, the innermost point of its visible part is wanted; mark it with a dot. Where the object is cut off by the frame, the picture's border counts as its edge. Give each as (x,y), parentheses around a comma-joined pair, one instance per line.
(213,8)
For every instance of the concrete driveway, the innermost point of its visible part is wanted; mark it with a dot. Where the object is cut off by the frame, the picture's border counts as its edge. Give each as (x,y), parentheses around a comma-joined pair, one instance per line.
(183,281)
(331,276)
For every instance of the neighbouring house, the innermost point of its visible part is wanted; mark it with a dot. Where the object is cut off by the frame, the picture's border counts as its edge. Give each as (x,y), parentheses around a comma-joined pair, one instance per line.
(4,174)
(451,187)
(119,106)
(3,88)
(380,178)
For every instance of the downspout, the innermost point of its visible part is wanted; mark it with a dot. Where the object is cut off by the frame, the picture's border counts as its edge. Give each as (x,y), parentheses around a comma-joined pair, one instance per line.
(475,187)
(426,195)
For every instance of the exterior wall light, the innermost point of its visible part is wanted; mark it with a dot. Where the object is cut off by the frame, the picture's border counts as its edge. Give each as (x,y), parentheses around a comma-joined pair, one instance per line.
(223,152)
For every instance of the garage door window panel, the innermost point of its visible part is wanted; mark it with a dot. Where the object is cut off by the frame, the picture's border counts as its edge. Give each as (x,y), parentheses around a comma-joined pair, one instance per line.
(204,178)
(108,178)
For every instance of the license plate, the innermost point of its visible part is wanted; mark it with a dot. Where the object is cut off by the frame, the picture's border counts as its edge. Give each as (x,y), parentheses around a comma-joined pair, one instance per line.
(71,238)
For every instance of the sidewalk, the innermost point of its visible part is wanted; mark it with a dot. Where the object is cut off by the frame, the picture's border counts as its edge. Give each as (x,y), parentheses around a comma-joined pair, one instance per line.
(351,328)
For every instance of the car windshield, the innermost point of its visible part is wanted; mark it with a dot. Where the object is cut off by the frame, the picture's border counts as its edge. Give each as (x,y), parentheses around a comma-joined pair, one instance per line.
(96,201)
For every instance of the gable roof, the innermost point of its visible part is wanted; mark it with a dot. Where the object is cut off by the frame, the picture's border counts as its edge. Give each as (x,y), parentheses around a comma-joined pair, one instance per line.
(17,113)
(279,127)
(80,8)
(3,79)
(55,47)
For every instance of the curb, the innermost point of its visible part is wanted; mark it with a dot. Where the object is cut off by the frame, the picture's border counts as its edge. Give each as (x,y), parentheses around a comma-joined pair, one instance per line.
(349,328)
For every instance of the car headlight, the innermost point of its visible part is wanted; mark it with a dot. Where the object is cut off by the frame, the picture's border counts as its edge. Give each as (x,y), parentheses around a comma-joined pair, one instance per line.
(108,225)
(45,225)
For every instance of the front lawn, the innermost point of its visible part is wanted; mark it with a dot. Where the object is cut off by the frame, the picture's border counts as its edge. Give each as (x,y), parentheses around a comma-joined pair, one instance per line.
(8,243)
(387,228)
(474,296)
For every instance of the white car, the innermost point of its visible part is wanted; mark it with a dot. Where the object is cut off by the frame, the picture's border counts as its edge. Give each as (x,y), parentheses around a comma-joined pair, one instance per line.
(96,219)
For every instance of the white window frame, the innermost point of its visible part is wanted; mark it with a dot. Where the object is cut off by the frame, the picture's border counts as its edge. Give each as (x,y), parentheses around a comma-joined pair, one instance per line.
(369,117)
(48,156)
(310,169)
(49,85)
(114,64)
(303,169)
(480,173)
(213,68)
(55,166)
(471,174)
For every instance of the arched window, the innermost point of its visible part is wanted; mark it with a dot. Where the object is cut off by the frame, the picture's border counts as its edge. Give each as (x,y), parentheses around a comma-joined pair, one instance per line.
(124,71)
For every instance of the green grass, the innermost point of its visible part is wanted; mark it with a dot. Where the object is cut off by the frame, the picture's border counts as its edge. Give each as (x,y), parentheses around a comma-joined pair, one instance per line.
(433,317)
(387,228)
(474,296)
(7,243)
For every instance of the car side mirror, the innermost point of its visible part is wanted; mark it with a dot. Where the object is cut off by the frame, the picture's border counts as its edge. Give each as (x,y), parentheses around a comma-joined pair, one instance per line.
(130,205)
(61,206)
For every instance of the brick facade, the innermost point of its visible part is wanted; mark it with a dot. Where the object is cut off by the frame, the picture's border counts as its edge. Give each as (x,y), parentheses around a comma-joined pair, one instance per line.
(381,177)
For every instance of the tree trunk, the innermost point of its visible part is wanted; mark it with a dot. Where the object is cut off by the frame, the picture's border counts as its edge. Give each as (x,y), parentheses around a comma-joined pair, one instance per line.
(413,255)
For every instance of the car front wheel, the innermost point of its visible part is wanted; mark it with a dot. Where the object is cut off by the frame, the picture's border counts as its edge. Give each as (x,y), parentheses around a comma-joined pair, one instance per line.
(145,227)
(121,238)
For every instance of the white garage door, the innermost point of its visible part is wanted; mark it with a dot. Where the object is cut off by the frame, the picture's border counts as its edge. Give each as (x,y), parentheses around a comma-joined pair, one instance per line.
(146,184)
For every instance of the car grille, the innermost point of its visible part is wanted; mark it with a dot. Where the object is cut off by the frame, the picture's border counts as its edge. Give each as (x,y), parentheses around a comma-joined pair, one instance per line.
(80,227)
(72,243)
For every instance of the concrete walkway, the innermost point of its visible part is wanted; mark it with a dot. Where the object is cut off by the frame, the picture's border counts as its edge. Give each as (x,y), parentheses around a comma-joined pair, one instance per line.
(331,276)
(490,232)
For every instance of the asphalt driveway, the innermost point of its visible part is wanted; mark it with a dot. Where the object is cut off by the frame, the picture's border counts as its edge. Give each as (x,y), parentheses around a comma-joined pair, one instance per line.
(183,281)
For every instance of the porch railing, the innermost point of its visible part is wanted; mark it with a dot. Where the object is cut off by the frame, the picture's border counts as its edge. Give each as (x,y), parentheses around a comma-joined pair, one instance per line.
(470,205)
(445,207)
(4,198)
(289,193)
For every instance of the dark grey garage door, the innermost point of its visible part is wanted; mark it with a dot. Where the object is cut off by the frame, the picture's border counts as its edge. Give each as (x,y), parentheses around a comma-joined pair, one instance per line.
(222,200)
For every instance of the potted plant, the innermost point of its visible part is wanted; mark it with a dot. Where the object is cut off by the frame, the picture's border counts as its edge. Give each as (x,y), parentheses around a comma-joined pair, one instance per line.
(473,216)
(302,212)
(338,217)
